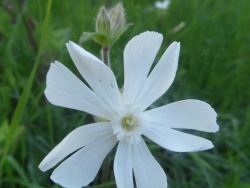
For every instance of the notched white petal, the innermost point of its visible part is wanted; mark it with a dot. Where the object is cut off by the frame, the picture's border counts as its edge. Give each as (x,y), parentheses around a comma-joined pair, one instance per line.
(75,140)
(139,55)
(161,77)
(148,173)
(177,141)
(123,165)
(64,89)
(100,77)
(185,114)
(81,168)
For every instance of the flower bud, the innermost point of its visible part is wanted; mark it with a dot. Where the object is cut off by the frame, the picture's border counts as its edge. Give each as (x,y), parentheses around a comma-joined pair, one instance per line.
(110,25)
(117,18)
(103,21)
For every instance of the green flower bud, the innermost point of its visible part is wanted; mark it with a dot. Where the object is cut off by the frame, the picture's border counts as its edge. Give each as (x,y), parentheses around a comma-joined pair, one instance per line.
(117,18)
(110,25)
(103,21)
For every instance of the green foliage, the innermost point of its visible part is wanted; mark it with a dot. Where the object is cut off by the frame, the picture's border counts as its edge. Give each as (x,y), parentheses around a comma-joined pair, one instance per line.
(214,67)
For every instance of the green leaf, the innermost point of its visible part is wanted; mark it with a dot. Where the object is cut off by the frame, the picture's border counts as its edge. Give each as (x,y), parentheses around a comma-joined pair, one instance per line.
(101,38)
(86,36)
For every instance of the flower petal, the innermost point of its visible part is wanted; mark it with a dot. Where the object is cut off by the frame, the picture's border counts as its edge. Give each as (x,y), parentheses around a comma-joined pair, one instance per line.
(161,77)
(123,166)
(100,77)
(185,114)
(139,55)
(75,140)
(81,168)
(177,141)
(148,173)
(66,90)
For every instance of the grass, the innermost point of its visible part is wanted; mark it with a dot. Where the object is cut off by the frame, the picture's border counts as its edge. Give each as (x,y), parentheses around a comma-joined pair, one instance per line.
(214,67)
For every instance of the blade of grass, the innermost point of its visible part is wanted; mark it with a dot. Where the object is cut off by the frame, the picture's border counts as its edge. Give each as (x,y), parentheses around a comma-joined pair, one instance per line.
(14,163)
(26,92)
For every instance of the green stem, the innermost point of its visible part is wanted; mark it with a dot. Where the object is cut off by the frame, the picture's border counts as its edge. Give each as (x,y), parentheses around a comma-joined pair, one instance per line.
(105,55)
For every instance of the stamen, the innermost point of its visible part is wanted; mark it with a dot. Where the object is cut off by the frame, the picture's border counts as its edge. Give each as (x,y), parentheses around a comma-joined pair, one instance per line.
(129,123)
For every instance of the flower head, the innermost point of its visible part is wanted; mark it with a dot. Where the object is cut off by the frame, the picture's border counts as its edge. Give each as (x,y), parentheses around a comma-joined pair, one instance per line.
(127,115)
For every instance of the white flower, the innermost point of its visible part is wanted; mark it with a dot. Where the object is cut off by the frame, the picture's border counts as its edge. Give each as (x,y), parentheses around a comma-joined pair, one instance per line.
(162,4)
(126,113)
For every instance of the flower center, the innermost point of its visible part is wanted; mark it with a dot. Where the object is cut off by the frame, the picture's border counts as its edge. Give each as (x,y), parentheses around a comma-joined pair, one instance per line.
(128,127)
(129,123)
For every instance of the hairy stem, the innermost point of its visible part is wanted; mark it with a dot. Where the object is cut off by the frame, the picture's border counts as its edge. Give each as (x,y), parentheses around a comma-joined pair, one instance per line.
(105,55)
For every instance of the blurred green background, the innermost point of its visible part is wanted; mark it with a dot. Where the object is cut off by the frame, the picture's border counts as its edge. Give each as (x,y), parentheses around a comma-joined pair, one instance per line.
(214,66)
